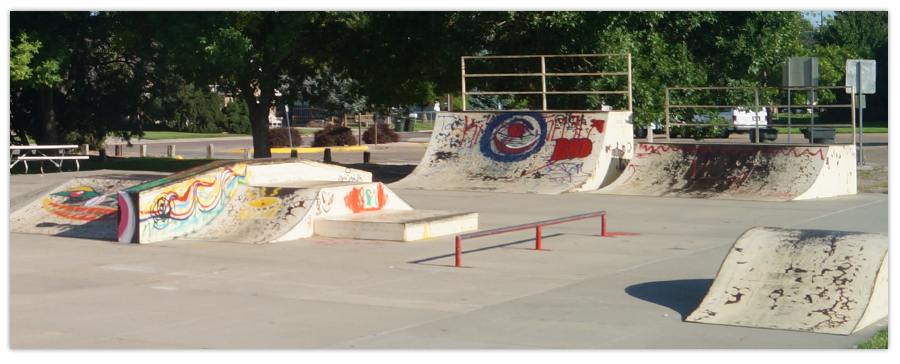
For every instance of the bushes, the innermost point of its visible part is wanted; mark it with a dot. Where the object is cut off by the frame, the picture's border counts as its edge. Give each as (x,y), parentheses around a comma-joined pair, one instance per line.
(334,135)
(278,137)
(385,134)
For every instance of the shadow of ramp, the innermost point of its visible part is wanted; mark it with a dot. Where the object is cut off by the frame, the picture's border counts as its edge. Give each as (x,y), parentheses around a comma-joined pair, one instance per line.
(683,296)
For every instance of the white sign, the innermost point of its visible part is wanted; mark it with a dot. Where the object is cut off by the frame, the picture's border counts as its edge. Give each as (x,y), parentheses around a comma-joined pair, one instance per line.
(861,73)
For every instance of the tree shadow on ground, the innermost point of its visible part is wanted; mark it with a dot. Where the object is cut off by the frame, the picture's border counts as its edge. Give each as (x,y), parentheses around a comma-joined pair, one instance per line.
(683,296)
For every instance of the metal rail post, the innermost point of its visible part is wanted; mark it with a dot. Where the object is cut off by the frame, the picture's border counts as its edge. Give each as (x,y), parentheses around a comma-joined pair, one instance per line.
(536,225)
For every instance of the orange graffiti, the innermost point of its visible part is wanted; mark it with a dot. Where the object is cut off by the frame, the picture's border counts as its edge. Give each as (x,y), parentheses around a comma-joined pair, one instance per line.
(365,199)
(80,213)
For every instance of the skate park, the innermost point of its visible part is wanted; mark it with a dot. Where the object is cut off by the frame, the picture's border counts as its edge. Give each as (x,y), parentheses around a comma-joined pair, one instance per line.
(644,279)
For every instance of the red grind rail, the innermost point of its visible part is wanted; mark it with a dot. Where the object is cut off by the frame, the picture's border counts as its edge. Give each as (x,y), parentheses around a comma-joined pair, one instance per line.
(536,225)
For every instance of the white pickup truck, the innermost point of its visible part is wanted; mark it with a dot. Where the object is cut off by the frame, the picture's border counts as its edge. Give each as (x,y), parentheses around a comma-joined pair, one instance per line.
(744,120)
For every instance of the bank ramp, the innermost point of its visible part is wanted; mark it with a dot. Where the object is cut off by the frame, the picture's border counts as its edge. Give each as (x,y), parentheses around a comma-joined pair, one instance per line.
(762,172)
(821,281)
(524,152)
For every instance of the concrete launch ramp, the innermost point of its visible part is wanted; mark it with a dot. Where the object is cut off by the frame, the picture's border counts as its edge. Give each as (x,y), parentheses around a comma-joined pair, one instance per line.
(252,201)
(270,214)
(79,208)
(189,202)
(763,172)
(821,281)
(526,152)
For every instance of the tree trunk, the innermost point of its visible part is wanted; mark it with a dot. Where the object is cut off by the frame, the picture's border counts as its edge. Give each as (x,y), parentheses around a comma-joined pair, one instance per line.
(259,122)
(48,117)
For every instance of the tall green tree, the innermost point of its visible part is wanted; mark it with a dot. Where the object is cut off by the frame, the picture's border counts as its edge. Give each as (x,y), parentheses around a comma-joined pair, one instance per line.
(418,54)
(335,93)
(857,35)
(251,55)
(76,76)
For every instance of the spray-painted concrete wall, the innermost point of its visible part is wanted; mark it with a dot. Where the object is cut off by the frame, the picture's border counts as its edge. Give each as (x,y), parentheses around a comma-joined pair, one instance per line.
(808,280)
(186,202)
(743,172)
(528,152)
(81,207)
(271,214)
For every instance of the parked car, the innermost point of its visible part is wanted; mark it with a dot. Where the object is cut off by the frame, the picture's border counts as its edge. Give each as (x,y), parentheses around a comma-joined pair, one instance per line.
(742,120)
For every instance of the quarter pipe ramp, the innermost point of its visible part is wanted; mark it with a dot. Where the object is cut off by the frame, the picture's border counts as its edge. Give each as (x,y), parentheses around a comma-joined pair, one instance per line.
(524,152)
(762,172)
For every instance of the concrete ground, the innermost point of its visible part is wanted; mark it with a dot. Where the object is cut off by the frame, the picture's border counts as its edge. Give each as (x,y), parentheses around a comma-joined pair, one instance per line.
(585,292)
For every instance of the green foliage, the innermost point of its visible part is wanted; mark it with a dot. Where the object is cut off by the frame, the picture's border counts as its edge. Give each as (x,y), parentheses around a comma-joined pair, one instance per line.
(855,35)
(252,54)
(386,134)
(278,137)
(197,110)
(335,93)
(334,135)
(235,118)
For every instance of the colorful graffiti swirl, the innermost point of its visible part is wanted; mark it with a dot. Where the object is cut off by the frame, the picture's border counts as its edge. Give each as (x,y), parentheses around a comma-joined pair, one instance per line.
(181,202)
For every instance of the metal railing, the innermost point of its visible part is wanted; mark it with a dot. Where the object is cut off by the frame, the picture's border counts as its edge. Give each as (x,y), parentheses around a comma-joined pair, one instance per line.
(544,74)
(536,225)
(757,106)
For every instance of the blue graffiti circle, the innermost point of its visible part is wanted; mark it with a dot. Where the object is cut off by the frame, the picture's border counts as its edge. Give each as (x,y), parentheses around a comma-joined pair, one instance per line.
(512,137)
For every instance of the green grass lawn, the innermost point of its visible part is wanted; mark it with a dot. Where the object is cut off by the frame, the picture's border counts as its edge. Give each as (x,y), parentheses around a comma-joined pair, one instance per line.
(880,341)
(423,126)
(804,121)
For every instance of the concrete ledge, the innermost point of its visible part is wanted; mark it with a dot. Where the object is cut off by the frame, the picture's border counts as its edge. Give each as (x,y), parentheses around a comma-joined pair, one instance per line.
(394,225)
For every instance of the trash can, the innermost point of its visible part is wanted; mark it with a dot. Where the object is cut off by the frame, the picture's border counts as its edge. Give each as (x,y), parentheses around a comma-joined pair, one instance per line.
(408,124)
(766,135)
(398,124)
(818,134)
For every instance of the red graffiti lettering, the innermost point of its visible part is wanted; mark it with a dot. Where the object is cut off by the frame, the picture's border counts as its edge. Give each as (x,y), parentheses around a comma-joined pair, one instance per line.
(571,148)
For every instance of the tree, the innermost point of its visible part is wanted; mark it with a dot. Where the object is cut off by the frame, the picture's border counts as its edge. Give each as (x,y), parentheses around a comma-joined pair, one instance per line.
(858,35)
(78,76)
(37,63)
(408,57)
(251,55)
(335,93)
(419,53)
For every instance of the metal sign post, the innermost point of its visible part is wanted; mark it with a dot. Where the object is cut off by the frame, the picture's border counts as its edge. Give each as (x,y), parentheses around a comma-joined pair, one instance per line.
(801,72)
(288,117)
(860,77)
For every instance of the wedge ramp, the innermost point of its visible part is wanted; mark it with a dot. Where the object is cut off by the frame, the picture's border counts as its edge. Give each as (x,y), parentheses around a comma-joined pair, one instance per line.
(833,282)
(83,207)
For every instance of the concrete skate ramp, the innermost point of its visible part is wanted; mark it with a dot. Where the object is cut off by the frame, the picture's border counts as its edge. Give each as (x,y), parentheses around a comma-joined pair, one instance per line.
(761,172)
(525,152)
(272,214)
(231,198)
(83,207)
(821,281)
